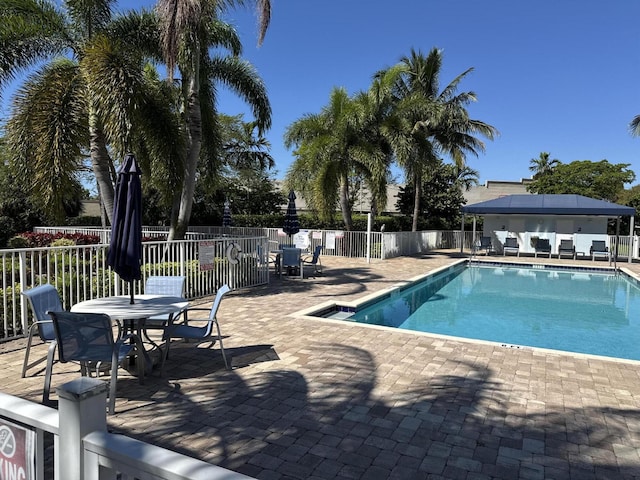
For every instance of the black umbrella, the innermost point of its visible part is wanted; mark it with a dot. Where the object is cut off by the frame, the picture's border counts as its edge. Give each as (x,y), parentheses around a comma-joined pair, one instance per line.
(291,222)
(227,221)
(125,248)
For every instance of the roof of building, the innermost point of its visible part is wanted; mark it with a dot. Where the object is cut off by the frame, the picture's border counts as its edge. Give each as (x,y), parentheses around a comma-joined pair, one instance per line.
(496,188)
(549,205)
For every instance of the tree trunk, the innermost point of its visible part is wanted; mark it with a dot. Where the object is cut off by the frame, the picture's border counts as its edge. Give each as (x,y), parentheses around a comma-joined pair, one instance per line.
(181,211)
(417,185)
(345,207)
(100,162)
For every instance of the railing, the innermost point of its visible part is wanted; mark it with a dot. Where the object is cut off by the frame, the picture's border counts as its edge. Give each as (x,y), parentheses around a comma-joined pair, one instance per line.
(337,243)
(81,273)
(84,449)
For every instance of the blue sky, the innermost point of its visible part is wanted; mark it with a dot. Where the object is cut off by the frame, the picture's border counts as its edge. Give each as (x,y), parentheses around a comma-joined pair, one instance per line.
(554,76)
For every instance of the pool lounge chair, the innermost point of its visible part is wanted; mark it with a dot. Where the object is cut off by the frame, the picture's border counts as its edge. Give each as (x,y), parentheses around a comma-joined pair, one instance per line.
(484,244)
(511,246)
(543,247)
(599,249)
(567,248)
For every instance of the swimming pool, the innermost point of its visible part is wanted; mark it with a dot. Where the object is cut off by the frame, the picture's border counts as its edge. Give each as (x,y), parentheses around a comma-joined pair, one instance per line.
(581,310)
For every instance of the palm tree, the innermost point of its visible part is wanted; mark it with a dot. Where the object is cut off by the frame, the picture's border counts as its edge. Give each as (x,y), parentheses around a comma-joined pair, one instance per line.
(376,156)
(189,28)
(543,164)
(634,126)
(245,148)
(427,122)
(338,144)
(466,177)
(80,100)
(324,141)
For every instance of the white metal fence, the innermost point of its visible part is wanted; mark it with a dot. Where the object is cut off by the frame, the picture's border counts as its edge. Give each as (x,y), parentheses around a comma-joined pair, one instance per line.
(338,243)
(81,273)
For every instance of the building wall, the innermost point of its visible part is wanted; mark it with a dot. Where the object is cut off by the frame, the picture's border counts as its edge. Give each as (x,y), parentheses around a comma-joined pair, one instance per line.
(581,229)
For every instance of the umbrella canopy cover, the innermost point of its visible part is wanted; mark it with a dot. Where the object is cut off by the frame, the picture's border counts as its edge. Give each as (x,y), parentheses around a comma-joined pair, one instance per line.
(125,248)
(227,221)
(291,222)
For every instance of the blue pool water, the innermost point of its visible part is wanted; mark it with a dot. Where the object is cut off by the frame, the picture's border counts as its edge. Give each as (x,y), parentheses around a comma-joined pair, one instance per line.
(575,311)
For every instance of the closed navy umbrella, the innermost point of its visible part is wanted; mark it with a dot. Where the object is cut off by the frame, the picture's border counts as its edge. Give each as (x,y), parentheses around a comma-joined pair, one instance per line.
(125,248)
(291,222)
(227,221)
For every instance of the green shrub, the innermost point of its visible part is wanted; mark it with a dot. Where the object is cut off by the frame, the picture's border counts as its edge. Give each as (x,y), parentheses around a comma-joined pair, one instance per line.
(18,242)
(63,242)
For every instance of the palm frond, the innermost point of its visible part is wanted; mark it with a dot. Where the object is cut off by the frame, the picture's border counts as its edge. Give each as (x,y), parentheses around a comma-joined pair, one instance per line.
(241,77)
(48,132)
(115,82)
(30,31)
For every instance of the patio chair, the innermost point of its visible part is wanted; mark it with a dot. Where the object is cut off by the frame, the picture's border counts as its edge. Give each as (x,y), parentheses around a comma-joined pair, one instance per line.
(511,246)
(485,244)
(292,261)
(272,259)
(166,285)
(169,285)
(599,249)
(87,338)
(42,300)
(567,248)
(314,260)
(542,247)
(191,332)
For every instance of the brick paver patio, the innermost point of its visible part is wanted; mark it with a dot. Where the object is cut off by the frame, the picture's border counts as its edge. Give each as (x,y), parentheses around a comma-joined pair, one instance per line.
(314,399)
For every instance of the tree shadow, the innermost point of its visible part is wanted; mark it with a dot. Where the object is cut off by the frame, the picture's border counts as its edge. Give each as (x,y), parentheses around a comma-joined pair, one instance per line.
(341,414)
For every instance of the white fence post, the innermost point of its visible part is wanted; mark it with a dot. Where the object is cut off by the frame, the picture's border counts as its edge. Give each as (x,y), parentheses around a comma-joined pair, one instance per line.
(83,409)
(369,237)
(23,283)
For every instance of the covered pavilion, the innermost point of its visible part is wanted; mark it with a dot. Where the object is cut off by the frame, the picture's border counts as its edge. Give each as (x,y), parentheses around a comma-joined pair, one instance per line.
(552,216)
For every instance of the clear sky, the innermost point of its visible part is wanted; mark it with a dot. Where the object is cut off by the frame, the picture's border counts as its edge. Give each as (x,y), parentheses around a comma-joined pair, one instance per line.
(555,76)
(560,76)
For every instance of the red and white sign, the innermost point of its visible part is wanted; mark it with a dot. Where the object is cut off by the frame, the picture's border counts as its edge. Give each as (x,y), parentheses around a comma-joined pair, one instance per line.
(206,255)
(17,456)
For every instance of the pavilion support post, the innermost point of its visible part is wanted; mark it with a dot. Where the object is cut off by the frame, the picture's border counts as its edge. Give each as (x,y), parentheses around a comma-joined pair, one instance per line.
(462,235)
(615,253)
(632,238)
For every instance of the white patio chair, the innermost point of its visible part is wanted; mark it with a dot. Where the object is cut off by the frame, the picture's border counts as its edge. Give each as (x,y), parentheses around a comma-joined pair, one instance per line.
(42,300)
(191,332)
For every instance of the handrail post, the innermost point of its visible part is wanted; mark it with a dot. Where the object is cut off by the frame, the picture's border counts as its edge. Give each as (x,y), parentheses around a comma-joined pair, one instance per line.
(22,255)
(183,256)
(82,409)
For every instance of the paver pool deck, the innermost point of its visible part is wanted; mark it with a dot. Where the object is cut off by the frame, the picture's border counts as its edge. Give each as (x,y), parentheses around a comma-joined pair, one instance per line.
(317,399)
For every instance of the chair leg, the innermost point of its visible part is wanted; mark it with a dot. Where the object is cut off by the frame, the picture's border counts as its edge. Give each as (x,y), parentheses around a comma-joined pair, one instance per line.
(113,381)
(165,355)
(49,370)
(141,361)
(25,365)
(224,357)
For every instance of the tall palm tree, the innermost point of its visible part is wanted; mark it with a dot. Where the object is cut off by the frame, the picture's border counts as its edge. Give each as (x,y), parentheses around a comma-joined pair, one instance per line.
(543,164)
(376,156)
(466,177)
(80,99)
(189,28)
(634,126)
(244,147)
(338,144)
(427,122)
(324,142)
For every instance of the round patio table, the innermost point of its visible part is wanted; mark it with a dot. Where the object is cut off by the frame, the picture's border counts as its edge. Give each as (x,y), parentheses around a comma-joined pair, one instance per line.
(119,308)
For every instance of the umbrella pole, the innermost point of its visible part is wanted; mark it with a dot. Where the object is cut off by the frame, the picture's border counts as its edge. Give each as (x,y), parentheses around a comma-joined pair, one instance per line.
(131,302)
